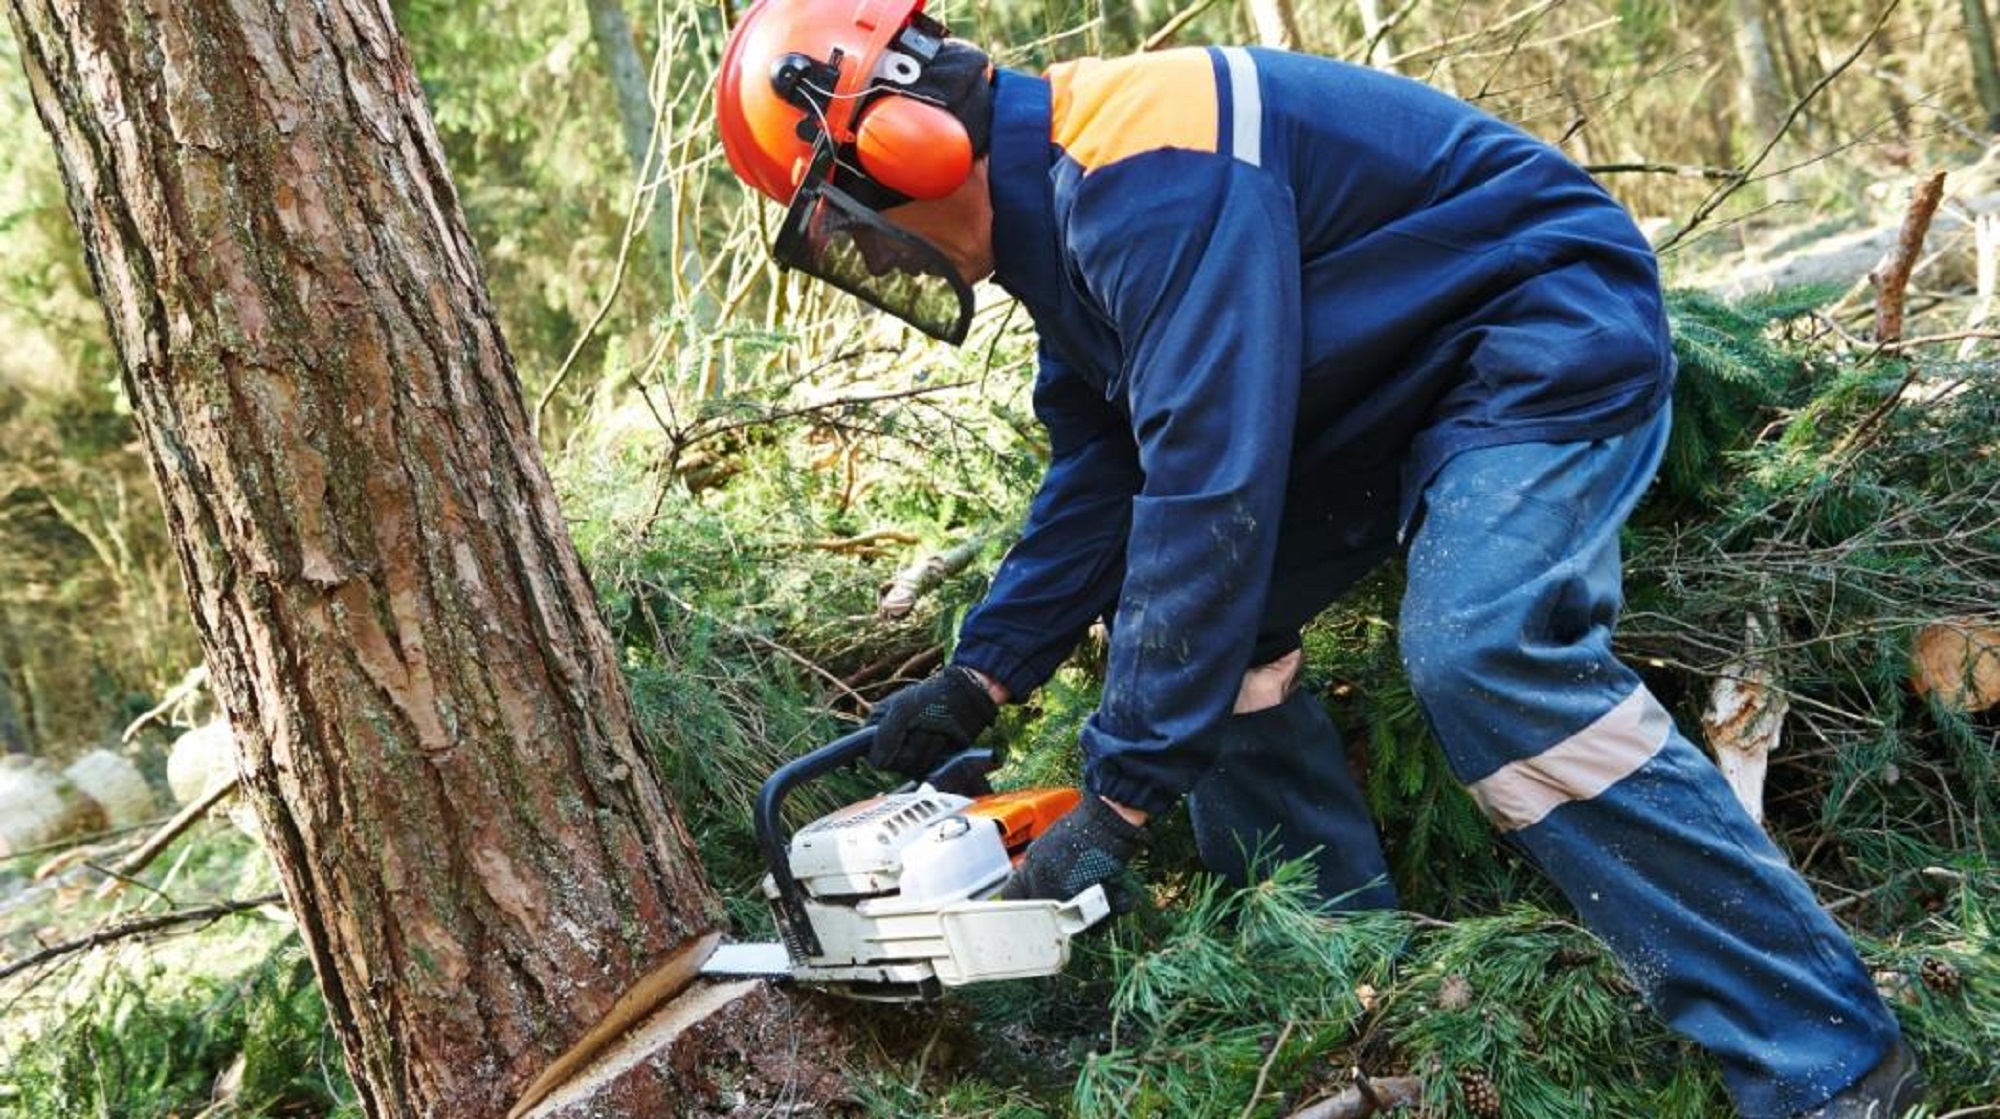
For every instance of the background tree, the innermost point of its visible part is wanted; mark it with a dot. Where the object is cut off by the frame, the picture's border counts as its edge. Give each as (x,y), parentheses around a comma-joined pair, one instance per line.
(12,739)
(745,459)
(430,715)
(1985,70)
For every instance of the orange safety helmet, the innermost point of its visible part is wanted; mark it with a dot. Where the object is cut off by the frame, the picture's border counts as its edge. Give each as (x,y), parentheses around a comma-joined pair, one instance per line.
(795,71)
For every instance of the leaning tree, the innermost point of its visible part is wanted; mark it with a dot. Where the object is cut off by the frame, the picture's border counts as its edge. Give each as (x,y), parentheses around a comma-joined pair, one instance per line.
(430,715)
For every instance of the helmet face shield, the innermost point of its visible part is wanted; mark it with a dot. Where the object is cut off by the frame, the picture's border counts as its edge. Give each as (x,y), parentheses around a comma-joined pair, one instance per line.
(830,235)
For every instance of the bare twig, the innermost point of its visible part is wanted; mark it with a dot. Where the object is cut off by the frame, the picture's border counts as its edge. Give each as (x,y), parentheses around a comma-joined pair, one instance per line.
(760,640)
(643,193)
(1451,44)
(1722,193)
(1680,170)
(1891,276)
(1165,35)
(1264,1071)
(139,927)
(691,438)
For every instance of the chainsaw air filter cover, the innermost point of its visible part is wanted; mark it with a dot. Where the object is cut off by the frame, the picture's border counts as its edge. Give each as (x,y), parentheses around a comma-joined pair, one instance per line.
(920,846)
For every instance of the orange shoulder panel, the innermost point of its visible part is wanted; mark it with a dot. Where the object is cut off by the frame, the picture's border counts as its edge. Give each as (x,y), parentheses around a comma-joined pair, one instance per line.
(1104,110)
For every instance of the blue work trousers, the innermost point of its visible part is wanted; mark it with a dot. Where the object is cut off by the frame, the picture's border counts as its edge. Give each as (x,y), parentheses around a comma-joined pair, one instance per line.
(1514,590)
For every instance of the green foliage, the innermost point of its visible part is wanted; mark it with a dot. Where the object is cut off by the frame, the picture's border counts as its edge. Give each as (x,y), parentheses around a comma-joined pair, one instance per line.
(158,1041)
(1241,985)
(1735,372)
(1539,1007)
(1956,1030)
(722,423)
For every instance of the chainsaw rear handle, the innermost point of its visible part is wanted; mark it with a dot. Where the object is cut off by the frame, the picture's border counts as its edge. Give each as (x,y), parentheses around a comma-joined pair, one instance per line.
(964,773)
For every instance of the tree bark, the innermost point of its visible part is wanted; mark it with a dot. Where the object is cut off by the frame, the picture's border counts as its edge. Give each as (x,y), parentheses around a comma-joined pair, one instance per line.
(430,715)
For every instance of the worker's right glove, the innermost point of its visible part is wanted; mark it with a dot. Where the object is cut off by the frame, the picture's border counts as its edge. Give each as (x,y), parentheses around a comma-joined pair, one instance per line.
(1092,845)
(929,721)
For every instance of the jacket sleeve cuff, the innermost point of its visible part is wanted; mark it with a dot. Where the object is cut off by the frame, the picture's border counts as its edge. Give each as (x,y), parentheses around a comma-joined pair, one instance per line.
(1132,786)
(1005,667)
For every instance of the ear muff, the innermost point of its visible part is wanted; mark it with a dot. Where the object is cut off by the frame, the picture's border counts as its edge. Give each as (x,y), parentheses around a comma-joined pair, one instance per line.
(912,147)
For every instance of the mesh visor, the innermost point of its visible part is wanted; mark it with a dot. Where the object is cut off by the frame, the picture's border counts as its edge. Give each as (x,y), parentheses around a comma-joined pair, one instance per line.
(829,235)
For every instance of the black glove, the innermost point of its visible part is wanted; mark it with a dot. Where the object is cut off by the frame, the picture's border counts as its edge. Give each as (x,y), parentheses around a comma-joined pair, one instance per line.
(929,721)
(1091,845)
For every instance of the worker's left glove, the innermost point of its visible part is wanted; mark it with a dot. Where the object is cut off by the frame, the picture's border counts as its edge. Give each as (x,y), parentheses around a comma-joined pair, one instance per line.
(1092,845)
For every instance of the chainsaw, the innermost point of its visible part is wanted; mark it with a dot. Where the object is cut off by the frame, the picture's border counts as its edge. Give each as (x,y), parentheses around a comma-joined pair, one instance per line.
(893,898)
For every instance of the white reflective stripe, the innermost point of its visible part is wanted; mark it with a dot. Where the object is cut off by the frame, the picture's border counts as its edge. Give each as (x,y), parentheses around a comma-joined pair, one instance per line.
(1246,122)
(1577,768)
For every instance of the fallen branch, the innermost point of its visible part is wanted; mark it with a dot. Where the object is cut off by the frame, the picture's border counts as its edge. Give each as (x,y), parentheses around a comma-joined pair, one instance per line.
(195,678)
(1891,276)
(146,852)
(1367,1097)
(924,576)
(1264,1073)
(865,542)
(1900,344)
(138,927)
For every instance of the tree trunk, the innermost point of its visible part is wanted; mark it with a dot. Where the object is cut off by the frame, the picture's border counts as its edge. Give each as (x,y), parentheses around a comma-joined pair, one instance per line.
(430,715)
(612,31)
(1760,95)
(1985,72)
(1379,39)
(12,739)
(1276,23)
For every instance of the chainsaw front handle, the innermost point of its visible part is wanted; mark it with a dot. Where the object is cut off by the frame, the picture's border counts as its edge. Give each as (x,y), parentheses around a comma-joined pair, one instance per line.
(963,773)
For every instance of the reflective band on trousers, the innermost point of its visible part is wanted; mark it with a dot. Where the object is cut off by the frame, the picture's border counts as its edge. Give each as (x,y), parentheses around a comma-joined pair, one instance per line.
(1577,768)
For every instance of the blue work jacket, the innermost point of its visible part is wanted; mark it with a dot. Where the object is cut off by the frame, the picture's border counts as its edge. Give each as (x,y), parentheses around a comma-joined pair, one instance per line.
(1274,293)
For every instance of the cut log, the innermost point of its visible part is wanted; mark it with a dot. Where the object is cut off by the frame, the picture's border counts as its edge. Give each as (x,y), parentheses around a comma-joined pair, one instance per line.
(115,784)
(200,760)
(38,806)
(900,596)
(1959,660)
(1843,258)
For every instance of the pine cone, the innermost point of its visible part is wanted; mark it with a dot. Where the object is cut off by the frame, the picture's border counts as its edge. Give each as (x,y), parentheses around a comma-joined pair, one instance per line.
(1482,1097)
(1939,974)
